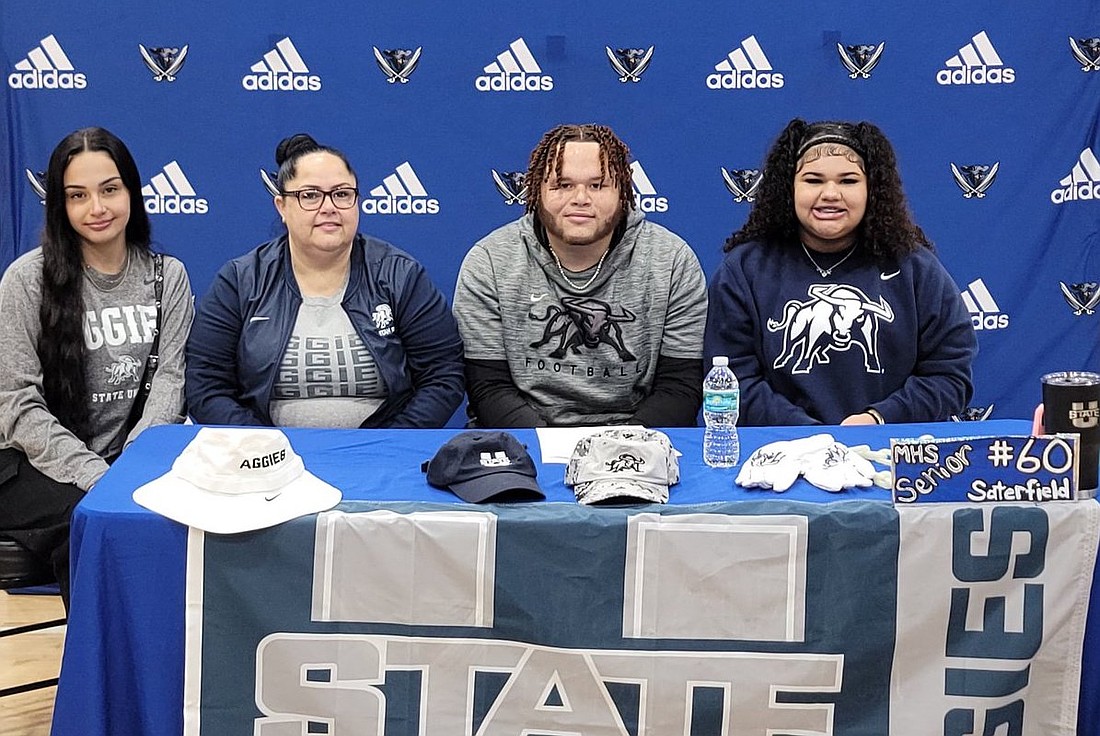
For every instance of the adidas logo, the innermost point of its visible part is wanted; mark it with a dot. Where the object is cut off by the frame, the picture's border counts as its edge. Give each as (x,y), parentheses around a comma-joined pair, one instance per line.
(281,69)
(46,67)
(645,196)
(400,193)
(746,67)
(515,70)
(170,193)
(976,63)
(984,312)
(1082,183)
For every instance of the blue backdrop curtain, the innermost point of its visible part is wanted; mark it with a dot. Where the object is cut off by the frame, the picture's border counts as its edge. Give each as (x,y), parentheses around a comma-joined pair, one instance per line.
(993,109)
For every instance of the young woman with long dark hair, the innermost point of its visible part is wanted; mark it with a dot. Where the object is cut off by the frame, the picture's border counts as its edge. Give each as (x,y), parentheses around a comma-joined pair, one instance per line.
(831,304)
(82,313)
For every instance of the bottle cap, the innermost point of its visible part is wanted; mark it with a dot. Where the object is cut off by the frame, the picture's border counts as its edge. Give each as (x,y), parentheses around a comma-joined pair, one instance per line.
(720,360)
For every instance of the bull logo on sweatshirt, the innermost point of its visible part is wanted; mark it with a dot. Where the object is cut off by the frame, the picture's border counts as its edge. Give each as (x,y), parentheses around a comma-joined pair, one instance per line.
(123,369)
(584,322)
(835,318)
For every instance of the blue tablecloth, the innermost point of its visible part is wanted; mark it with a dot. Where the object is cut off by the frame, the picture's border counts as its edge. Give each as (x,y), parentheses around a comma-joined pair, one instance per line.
(123,664)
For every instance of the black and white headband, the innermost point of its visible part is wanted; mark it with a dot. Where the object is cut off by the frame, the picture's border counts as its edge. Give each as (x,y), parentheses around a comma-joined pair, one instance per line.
(830,136)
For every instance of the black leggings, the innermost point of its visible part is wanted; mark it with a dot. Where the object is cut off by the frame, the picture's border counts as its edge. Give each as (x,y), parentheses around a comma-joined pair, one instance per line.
(35,511)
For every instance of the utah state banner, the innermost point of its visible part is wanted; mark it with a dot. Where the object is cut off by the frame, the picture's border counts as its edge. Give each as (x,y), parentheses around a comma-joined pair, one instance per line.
(750,618)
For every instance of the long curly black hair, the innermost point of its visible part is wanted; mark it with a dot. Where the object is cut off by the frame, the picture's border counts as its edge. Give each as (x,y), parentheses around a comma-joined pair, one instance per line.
(887,229)
(61,311)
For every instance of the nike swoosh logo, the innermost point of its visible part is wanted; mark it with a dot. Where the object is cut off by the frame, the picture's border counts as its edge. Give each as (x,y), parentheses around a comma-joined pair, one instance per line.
(257,319)
(272,498)
(537,298)
(888,276)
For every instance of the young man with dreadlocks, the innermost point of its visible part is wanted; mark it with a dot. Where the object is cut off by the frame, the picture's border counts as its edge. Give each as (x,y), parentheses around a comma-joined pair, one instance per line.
(582,312)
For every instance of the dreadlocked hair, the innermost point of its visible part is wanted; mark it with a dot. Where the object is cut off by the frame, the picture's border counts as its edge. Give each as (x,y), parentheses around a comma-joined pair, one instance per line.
(546,159)
(61,312)
(887,230)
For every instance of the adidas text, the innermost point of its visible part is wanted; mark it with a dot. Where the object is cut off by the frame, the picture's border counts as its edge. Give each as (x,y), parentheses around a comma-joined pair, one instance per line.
(653,204)
(514,83)
(175,205)
(745,80)
(987,321)
(49,79)
(285,82)
(1083,191)
(400,206)
(976,75)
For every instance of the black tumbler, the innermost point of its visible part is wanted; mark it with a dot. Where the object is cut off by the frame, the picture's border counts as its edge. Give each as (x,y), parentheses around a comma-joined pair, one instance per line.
(1071,404)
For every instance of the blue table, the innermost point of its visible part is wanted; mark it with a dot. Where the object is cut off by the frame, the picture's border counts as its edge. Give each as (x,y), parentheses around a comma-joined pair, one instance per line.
(123,667)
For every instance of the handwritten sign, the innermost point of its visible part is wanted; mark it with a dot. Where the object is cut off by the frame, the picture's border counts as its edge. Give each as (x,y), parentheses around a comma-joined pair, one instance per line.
(985,469)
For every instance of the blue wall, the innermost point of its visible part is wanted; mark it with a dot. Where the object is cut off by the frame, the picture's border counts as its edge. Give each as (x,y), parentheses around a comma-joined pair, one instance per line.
(1010,245)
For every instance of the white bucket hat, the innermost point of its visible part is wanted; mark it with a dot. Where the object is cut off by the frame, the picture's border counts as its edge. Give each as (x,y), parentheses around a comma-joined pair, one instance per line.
(236,479)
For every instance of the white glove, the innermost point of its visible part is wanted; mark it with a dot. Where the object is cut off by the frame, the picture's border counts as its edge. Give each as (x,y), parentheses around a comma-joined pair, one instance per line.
(835,468)
(882,478)
(777,465)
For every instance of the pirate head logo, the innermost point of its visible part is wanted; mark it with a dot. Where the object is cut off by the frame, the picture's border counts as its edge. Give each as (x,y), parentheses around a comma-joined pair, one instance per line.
(974,179)
(123,369)
(742,183)
(163,61)
(629,64)
(583,322)
(397,64)
(973,414)
(1087,53)
(268,178)
(834,319)
(512,185)
(37,180)
(860,59)
(1082,298)
(625,463)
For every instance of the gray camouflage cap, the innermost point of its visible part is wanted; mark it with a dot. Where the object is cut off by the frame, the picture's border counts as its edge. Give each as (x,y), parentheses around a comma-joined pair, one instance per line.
(623,465)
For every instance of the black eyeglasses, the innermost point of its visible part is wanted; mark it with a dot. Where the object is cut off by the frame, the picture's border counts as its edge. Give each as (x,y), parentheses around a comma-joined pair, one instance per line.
(343,198)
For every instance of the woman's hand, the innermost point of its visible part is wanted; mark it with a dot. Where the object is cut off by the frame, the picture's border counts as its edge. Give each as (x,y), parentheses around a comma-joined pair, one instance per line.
(859,419)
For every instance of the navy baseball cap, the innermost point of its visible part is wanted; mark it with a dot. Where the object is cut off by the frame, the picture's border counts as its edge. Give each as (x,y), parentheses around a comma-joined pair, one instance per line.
(479,466)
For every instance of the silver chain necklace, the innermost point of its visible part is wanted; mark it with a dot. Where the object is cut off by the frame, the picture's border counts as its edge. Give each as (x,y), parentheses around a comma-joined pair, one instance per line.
(586,284)
(108,281)
(826,271)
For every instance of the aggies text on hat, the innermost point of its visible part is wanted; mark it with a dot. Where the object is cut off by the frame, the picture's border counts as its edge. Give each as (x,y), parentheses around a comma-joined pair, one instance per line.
(481,466)
(623,465)
(236,479)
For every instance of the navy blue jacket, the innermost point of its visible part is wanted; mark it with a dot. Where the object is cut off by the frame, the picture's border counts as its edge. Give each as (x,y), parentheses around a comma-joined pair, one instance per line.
(895,337)
(244,321)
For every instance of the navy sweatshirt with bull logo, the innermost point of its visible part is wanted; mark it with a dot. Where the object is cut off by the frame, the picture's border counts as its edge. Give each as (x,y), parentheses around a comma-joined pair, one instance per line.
(807,349)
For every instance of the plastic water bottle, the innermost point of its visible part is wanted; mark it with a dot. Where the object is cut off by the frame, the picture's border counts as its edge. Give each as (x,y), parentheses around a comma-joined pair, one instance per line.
(721,404)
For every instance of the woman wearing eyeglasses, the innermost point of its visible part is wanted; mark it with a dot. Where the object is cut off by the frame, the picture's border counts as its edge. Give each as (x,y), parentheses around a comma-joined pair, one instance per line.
(323,326)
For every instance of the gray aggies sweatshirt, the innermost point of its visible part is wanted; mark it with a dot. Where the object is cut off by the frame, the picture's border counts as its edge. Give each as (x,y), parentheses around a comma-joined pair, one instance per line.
(118,332)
